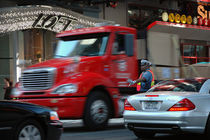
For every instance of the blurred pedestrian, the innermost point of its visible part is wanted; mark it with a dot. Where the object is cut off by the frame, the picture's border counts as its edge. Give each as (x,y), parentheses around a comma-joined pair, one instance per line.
(7,88)
(146,79)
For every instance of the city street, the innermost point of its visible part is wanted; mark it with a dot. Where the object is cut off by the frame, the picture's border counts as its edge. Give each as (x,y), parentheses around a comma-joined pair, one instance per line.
(147,61)
(73,130)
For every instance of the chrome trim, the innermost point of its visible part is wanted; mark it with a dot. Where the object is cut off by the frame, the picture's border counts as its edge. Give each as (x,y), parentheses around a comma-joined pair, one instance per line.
(37,79)
(5,128)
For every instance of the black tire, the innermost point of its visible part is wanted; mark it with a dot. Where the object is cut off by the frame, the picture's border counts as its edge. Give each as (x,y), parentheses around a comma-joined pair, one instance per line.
(142,135)
(207,129)
(30,127)
(97,111)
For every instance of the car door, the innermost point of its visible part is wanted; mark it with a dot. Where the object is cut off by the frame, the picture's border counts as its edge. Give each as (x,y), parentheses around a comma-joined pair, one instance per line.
(9,115)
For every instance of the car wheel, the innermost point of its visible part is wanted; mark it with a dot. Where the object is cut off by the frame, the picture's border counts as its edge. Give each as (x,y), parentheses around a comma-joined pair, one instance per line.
(207,129)
(144,134)
(29,130)
(97,111)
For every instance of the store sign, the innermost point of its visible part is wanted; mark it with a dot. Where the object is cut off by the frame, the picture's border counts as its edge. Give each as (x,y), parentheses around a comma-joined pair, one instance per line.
(183,19)
(165,16)
(189,20)
(171,17)
(202,12)
(177,18)
(55,19)
(53,22)
(203,17)
(203,0)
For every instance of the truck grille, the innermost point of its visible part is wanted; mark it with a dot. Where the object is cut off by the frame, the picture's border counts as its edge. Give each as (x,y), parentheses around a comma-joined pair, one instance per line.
(37,79)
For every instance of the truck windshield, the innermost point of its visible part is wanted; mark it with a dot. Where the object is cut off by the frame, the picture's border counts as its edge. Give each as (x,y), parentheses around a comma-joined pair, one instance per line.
(92,46)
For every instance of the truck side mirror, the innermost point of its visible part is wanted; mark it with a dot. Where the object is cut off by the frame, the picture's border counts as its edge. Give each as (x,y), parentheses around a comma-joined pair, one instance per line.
(129,46)
(129,38)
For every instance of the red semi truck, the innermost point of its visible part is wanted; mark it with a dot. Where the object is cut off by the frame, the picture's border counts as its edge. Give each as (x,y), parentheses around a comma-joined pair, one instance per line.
(88,76)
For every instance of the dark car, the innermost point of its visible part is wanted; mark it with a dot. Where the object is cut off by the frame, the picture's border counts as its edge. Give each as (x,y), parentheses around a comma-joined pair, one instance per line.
(25,121)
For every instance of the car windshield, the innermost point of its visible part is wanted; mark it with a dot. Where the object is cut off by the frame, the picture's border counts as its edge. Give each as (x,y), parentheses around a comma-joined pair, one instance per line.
(191,85)
(94,45)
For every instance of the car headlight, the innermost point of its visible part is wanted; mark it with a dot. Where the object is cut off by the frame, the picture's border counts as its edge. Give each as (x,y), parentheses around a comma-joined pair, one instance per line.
(68,88)
(54,116)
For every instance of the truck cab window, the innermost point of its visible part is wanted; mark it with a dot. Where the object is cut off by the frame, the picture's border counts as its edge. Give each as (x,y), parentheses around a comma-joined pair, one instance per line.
(94,46)
(118,46)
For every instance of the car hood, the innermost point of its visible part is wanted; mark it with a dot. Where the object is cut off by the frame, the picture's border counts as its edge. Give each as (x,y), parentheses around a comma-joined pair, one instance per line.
(26,106)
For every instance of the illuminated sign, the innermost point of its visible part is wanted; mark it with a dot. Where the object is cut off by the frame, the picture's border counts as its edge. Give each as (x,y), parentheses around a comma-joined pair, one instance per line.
(171,17)
(203,13)
(195,20)
(177,18)
(189,19)
(183,19)
(202,17)
(203,0)
(165,16)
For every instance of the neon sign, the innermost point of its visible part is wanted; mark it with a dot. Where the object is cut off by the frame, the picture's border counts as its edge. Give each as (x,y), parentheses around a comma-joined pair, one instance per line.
(203,13)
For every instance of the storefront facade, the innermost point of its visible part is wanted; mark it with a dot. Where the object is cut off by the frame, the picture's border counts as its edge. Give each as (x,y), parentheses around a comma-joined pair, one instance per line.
(33,41)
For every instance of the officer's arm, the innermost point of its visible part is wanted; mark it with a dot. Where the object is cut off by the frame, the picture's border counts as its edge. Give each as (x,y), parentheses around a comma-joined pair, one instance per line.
(140,80)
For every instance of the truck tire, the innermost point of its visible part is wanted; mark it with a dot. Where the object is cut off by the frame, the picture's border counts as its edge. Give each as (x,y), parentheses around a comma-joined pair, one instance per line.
(97,111)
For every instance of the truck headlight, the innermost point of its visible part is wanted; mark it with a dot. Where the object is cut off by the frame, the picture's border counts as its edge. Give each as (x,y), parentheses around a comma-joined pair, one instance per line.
(68,88)
(15,92)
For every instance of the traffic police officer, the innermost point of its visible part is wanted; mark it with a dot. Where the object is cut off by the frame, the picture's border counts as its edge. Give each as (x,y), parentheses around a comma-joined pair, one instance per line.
(146,79)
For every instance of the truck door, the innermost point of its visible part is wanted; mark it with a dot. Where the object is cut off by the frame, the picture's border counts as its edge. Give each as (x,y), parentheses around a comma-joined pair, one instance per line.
(122,65)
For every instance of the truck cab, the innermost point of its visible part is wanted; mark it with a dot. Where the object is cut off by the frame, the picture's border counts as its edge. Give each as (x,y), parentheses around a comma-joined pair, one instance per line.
(87,77)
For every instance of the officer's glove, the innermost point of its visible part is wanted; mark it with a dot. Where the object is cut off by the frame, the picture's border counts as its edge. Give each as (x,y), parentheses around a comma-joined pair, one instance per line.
(131,82)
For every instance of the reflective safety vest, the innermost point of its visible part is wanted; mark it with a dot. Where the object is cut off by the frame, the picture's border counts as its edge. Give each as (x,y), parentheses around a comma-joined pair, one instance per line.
(138,87)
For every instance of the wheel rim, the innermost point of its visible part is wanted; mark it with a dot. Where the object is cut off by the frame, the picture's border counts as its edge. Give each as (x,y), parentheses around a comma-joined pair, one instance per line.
(99,111)
(30,132)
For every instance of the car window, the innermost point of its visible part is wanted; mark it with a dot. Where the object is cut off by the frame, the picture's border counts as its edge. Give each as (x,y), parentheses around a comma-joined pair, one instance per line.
(191,85)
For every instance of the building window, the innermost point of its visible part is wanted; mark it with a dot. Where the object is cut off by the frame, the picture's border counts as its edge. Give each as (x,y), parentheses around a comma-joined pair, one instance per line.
(195,53)
(141,18)
(38,46)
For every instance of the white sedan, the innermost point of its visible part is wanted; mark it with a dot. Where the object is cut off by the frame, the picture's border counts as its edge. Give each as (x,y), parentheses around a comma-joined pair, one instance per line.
(181,105)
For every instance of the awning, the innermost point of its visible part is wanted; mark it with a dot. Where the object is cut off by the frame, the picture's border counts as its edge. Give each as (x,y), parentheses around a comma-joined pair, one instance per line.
(185,31)
(55,19)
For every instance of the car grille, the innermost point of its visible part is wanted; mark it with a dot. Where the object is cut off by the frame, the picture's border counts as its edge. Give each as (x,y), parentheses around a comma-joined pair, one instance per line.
(37,79)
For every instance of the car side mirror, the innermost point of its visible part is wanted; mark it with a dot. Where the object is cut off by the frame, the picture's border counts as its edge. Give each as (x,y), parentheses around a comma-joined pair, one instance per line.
(129,44)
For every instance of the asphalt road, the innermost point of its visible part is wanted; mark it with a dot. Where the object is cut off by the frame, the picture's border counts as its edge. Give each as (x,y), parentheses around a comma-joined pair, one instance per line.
(74,130)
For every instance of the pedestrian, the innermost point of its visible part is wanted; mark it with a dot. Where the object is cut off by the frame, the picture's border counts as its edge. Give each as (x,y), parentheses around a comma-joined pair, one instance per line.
(7,88)
(146,79)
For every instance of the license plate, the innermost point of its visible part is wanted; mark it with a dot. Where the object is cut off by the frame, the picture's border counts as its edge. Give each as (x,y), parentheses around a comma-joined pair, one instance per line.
(151,105)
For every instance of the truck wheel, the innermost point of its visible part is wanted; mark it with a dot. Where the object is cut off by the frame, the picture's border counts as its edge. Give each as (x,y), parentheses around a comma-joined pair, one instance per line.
(97,111)
(29,129)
